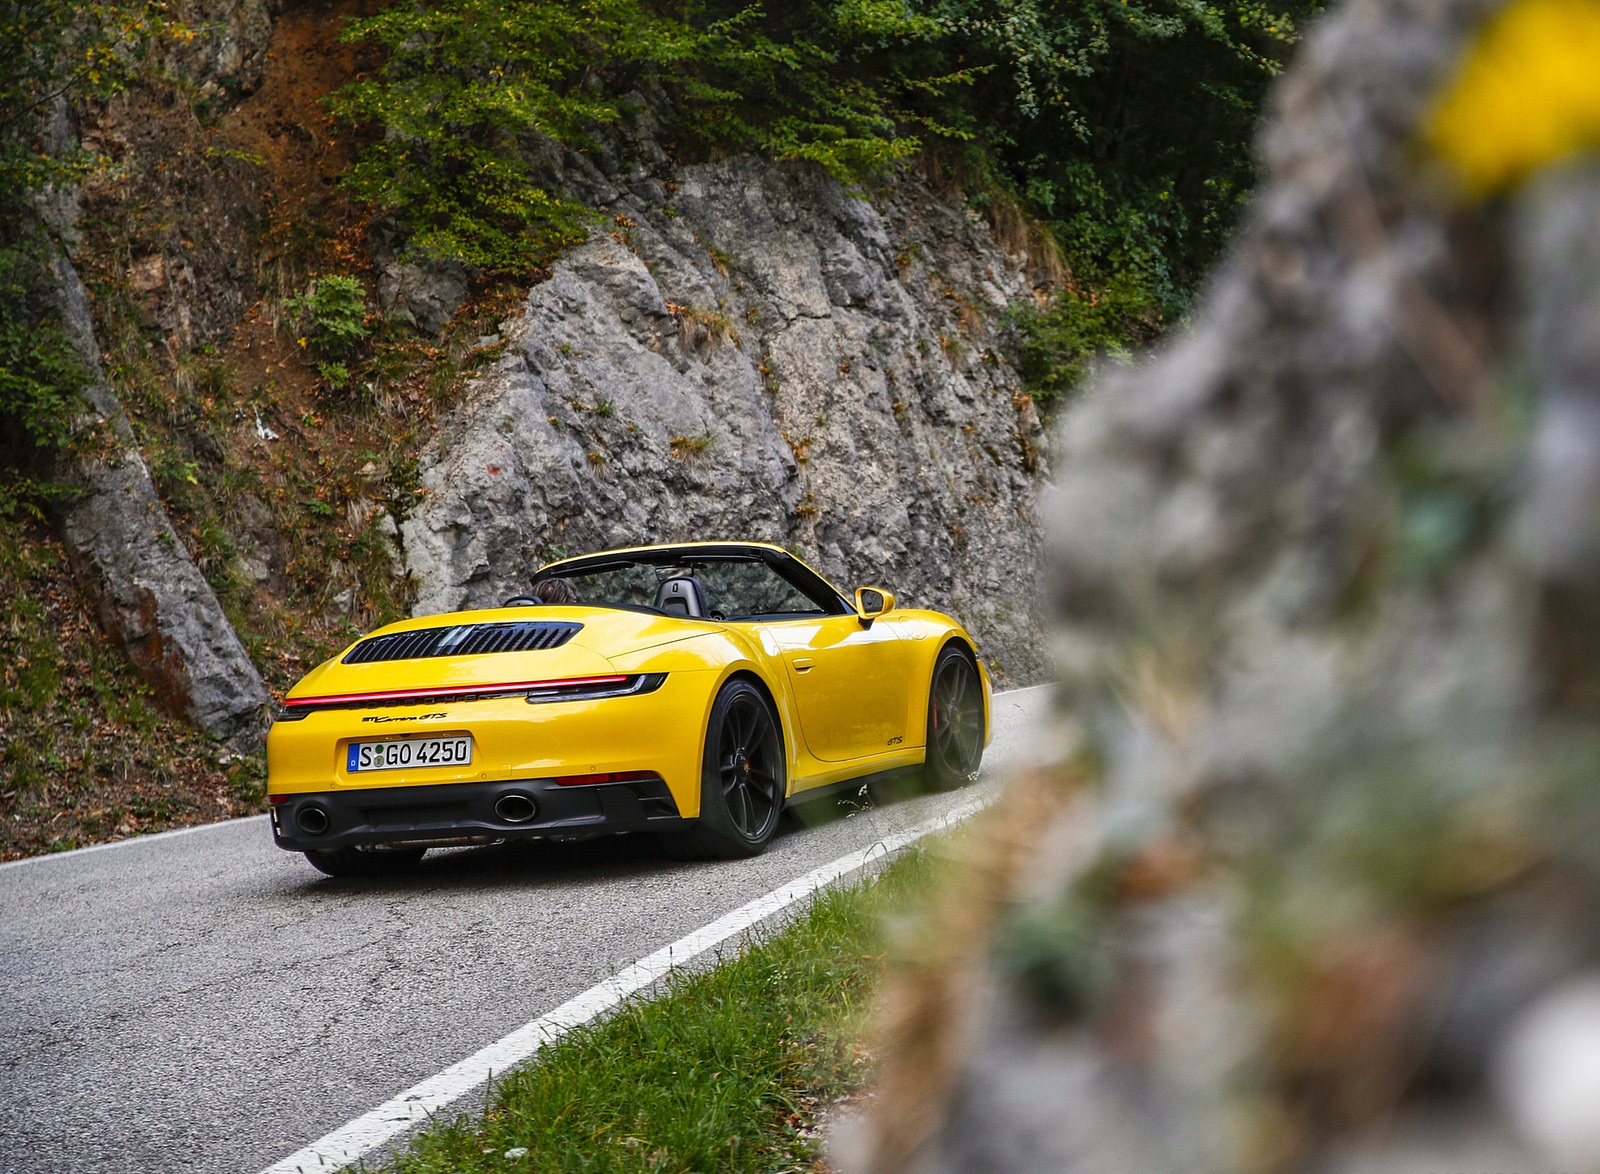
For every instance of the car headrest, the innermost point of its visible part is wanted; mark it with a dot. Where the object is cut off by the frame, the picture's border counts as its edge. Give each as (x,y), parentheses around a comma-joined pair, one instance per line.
(683,596)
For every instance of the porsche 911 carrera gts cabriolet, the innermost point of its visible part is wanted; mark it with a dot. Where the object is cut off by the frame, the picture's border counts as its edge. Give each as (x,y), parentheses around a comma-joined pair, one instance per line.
(691,690)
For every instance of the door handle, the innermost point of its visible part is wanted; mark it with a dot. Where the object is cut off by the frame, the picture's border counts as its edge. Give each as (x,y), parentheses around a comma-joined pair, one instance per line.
(803,664)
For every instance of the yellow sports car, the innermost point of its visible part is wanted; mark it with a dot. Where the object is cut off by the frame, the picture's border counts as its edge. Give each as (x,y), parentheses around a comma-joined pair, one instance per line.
(691,690)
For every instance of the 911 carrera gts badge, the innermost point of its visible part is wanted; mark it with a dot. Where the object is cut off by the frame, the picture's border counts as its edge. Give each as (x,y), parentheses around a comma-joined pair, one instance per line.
(406,717)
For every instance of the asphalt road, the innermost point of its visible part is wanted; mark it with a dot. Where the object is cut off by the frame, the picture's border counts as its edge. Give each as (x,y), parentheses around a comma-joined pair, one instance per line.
(208,1003)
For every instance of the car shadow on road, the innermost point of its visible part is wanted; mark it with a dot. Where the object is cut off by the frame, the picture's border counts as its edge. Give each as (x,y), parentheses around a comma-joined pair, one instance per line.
(558,864)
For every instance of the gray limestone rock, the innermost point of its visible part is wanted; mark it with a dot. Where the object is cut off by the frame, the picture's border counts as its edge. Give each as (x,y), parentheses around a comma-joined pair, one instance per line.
(422,294)
(768,357)
(148,591)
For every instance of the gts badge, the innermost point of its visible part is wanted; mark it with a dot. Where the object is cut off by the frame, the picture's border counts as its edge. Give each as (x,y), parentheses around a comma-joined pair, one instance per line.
(896,741)
(406,717)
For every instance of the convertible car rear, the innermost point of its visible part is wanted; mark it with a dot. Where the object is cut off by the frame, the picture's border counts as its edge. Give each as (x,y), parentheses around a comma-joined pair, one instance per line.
(691,690)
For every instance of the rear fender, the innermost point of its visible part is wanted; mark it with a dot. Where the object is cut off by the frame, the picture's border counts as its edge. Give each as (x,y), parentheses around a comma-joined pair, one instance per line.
(720,657)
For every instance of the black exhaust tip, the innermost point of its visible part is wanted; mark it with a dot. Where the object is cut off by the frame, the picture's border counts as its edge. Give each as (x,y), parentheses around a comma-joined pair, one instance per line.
(312,819)
(514,808)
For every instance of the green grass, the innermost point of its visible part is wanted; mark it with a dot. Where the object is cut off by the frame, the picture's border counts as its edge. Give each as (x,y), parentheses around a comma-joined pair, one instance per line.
(725,1070)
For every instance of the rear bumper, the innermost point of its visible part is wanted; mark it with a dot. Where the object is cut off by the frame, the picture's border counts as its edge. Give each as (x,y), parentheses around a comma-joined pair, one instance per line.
(514,743)
(466,813)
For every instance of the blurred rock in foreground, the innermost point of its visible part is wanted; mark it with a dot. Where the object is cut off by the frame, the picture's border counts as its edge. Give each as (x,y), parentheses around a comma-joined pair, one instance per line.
(1316,889)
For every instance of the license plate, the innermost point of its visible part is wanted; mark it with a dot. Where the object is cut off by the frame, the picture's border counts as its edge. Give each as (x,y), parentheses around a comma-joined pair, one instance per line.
(395,753)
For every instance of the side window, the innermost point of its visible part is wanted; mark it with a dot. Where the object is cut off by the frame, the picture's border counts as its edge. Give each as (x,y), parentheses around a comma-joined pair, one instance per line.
(747,589)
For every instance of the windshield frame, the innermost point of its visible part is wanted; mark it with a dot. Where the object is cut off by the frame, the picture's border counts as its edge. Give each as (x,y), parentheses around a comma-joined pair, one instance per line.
(789,568)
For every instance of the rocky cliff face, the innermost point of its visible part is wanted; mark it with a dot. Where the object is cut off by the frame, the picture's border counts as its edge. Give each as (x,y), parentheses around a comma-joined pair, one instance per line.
(750,351)
(228,53)
(149,594)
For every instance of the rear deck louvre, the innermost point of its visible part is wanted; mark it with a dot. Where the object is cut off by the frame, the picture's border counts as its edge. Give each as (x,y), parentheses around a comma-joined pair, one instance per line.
(463,640)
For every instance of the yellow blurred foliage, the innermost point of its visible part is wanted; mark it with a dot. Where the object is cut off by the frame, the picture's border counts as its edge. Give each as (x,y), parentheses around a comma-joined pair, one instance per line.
(1527,94)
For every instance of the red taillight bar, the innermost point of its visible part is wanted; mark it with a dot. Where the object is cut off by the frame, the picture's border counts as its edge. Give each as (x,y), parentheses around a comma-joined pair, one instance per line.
(452,691)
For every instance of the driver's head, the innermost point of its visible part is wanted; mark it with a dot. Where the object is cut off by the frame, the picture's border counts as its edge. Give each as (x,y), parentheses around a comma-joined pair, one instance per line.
(555,591)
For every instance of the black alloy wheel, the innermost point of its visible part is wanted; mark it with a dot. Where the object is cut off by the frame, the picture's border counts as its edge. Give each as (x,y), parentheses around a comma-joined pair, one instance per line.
(743,779)
(379,860)
(955,721)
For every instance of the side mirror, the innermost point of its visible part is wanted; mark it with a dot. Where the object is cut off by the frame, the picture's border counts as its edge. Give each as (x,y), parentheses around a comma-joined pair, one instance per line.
(872,602)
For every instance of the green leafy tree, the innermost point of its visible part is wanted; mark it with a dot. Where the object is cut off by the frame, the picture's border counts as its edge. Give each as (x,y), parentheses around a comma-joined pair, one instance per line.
(1057,342)
(52,49)
(472,93)
(334,312)
(849,84)
(469,93)
(1127,127)
(55,49)
(1124,125)
(41,377)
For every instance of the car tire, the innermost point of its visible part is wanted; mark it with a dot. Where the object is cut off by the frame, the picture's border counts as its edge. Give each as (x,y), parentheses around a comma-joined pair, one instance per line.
(353,861)
(955,721)
(743,780)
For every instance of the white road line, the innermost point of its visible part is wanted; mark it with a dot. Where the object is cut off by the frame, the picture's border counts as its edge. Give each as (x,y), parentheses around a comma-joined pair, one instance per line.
(360,1137)
(131,840)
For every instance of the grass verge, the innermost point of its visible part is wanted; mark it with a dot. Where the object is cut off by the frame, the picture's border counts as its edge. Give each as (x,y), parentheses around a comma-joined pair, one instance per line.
(725,1070)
